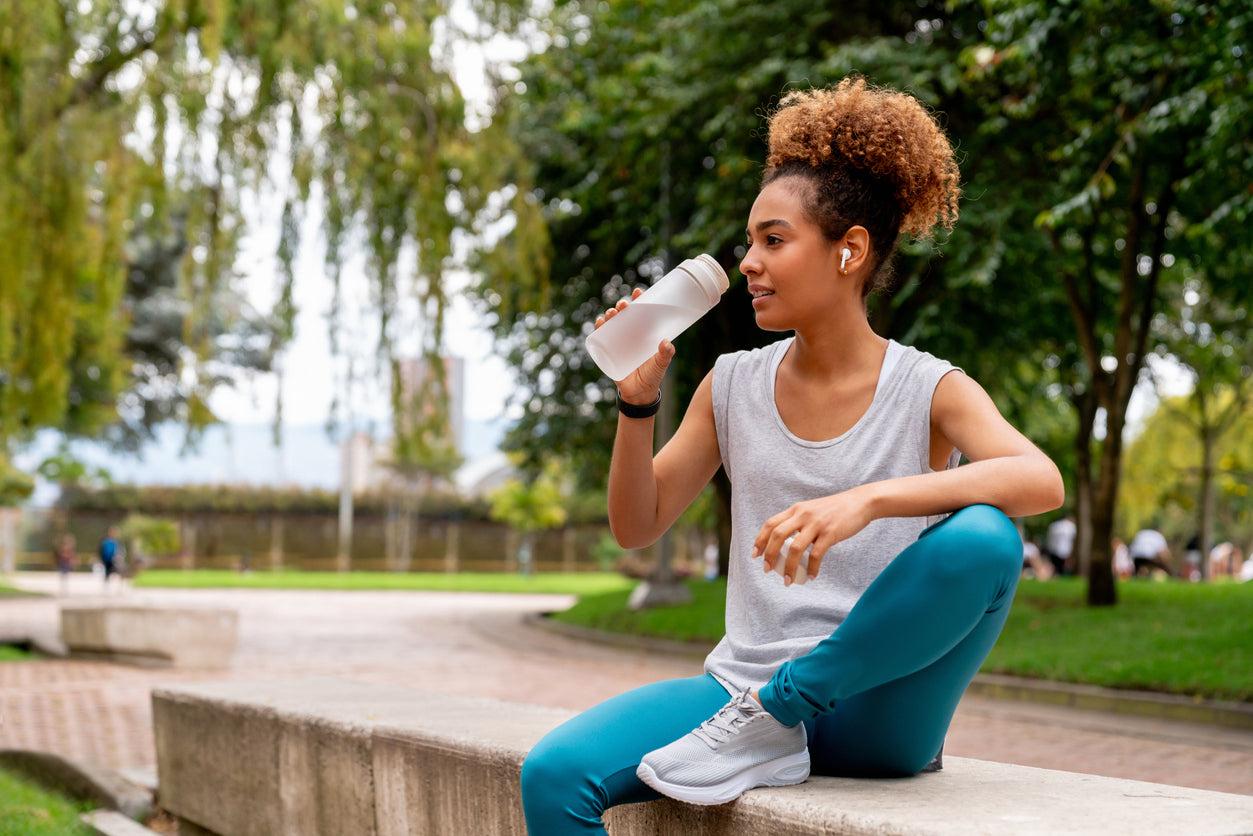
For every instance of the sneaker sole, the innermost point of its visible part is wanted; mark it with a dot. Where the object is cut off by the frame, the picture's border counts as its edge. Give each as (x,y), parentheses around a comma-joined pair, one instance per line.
(780,772)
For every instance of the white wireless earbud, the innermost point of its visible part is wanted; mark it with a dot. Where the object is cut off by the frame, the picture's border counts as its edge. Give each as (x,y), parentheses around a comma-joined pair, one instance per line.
(845,255)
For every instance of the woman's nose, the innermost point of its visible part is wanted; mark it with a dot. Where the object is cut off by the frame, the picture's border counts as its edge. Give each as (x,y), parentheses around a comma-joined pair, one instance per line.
(749,264)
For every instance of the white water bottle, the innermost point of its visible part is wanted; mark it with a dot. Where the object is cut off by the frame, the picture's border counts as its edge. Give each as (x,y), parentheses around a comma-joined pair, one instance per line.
(662,312)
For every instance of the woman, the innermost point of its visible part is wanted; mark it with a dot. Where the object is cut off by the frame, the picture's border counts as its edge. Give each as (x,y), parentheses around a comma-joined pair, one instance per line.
(841,448)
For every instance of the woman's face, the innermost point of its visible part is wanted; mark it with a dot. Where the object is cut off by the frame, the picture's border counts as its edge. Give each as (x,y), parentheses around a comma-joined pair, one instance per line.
(791,267)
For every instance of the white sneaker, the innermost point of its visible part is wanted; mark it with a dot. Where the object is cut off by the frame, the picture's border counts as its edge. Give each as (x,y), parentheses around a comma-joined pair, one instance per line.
(739,748)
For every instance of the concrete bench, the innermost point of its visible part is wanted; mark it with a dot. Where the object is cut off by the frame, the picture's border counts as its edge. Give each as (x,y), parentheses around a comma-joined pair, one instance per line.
(151,636)
(321,756)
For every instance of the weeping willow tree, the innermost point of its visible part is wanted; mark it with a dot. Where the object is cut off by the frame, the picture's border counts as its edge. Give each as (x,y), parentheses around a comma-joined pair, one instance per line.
(148,117)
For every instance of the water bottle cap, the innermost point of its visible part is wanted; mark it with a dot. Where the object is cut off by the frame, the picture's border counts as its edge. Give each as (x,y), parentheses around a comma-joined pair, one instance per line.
(709,274)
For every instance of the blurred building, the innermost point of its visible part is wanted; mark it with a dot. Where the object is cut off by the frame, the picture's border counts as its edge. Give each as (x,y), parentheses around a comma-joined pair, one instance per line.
(415,377)
(363,458)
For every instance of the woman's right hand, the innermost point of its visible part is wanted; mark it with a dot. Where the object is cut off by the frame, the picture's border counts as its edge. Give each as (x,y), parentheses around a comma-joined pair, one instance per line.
(643,385)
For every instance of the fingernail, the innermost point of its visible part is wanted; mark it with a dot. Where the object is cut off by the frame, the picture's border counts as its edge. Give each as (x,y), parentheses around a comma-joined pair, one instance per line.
(787,580)
(754,554)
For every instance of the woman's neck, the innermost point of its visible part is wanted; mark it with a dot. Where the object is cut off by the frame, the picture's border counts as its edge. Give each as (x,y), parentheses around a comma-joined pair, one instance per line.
(841,346)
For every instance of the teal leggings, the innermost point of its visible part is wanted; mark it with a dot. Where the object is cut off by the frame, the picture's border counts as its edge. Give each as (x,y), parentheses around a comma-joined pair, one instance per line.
(876,696)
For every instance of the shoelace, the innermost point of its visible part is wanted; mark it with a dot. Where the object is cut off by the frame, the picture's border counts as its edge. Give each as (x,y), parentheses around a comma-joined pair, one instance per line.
(719,728)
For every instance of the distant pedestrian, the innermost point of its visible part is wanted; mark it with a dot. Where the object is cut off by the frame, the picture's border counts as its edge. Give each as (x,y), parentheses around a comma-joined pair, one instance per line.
(1123,566)
(712,570)
(1192,558)
(1034,564)
(1225,559)
(1149,552)
(66,559)
(111,555)
(1059,545)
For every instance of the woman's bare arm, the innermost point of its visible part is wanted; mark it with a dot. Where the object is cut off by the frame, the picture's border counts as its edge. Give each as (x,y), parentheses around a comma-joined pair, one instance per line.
(646,493)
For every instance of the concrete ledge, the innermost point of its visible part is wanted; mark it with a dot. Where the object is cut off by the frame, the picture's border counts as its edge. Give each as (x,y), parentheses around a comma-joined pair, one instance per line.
(150,636)
(311,757)
(111,823)
(1236,715)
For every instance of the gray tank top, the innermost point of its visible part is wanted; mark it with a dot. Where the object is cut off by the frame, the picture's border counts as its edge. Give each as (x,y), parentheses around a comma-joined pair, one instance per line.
(770,469)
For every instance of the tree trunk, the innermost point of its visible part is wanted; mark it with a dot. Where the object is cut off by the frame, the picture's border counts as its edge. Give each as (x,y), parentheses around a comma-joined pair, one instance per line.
(722,489)
(1207,496)
(1102,591)
(1085,405)
(661,587)
(276,541)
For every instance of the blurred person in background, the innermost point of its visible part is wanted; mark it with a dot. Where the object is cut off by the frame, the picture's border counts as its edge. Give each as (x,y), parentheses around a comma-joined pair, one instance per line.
(66,559)
(1150,552)
(1059,545)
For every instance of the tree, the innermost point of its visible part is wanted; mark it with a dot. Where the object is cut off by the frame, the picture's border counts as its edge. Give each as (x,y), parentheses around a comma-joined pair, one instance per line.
(1211,339)
(531,505)
(1163,483)
(1145,166)
(153,124)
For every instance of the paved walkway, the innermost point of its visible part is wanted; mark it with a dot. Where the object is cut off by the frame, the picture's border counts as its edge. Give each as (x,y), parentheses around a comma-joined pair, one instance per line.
(472,644)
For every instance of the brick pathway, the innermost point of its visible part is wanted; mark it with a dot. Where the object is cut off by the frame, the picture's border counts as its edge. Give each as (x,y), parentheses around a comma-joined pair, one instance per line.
(472,644)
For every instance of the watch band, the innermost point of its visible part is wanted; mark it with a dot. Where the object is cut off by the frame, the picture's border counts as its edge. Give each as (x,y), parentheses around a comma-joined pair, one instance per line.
(632,410)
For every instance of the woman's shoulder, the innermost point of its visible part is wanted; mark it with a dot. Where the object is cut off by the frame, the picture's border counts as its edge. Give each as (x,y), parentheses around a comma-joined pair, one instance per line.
(915,360)
(751,357)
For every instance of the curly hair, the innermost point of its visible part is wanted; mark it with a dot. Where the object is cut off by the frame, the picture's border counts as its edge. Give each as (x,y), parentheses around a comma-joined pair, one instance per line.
(873,157)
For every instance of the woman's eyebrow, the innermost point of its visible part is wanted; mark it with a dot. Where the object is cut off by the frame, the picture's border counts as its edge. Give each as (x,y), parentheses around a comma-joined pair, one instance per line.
(763,225)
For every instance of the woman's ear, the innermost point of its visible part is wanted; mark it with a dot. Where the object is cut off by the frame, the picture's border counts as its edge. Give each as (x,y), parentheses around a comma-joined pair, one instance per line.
(856,244)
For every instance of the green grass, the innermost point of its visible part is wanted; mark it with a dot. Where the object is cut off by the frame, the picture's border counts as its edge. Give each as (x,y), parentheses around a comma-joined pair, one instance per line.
(1176,638)
(9,653)
(1193,639)
(699,621)
(589,583)
(26,809)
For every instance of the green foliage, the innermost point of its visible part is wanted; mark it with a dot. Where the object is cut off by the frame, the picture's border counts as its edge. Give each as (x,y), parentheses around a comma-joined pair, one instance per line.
(14,484)
(607,552)
(1161,484)
(151,535)
(65,469)
(535,504)
(1126,130)
(164,500)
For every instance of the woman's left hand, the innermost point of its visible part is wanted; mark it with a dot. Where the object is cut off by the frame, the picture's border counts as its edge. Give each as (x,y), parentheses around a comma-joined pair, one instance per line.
(820,523)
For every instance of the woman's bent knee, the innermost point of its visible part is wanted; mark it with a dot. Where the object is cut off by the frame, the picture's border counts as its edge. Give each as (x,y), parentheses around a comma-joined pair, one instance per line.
(546,773)
(979,532)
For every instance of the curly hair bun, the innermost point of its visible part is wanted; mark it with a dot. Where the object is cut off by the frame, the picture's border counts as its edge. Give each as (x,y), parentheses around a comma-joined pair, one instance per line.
(884,132)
